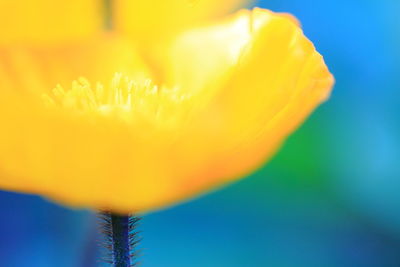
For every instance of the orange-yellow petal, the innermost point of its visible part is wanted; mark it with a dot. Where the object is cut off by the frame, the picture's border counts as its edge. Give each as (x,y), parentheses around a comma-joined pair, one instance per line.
(48,21)
(153,20)
(84,151)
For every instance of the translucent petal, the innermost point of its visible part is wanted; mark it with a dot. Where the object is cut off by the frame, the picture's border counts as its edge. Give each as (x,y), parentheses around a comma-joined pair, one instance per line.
(278,80)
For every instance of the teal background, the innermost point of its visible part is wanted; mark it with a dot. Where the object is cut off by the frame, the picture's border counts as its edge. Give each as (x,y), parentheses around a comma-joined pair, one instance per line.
(330,197)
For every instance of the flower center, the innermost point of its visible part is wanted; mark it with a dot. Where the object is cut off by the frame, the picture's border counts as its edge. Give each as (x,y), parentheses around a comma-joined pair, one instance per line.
(124,98)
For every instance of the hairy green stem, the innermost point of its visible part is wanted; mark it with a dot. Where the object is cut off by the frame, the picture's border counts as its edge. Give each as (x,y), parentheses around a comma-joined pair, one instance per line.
(120,237)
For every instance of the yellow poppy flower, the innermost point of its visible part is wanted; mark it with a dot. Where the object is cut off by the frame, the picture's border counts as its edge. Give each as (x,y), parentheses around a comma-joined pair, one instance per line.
(120,135)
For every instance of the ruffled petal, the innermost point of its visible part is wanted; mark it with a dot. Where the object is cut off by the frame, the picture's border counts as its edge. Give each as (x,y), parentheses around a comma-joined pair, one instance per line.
(278,80)
(49,21)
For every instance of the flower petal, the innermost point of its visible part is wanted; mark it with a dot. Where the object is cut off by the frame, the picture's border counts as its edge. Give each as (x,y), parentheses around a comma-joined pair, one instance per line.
(48,21)
(279,79)
(84,161)
(204,57)
(154,20)
(34,68)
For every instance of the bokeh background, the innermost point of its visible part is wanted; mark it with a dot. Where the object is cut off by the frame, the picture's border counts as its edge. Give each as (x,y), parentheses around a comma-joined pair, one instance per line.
(330,197)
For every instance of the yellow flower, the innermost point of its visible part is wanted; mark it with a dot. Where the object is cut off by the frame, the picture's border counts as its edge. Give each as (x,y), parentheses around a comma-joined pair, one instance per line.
(121,134)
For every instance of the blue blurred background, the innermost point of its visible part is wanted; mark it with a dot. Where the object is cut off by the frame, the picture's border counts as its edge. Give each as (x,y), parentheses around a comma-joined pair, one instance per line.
(329,198)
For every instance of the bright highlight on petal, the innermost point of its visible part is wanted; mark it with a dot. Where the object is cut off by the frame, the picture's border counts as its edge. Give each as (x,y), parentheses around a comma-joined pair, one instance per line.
(154,20)
(48,21)
(231,93)
(202,57)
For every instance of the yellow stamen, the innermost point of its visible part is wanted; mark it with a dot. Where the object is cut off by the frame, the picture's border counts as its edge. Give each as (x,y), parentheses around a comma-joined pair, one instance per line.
(124,98)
